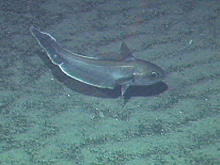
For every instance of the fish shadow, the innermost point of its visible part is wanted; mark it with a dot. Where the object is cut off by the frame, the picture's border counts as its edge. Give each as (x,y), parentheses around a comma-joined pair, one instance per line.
(133,91)
(77,86)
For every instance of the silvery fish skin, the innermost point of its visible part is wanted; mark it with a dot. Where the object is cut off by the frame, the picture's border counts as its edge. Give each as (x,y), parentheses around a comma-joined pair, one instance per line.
(102,73)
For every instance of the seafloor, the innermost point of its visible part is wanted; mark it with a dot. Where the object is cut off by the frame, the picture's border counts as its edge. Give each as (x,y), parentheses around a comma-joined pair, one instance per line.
(50,119)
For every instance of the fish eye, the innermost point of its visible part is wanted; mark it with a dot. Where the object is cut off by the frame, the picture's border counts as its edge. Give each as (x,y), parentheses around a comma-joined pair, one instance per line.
(154,75)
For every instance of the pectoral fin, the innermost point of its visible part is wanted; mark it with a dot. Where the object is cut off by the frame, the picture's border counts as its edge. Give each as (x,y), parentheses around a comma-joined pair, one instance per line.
(124,87)
(124,82)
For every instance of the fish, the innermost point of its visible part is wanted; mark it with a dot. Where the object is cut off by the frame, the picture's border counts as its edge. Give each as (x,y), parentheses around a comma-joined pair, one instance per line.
(100,72)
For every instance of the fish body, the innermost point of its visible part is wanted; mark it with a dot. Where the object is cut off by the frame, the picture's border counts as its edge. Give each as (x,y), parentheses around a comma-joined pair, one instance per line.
(100,72)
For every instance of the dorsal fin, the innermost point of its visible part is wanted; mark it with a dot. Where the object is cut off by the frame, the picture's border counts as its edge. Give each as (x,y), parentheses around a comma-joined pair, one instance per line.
(126,53)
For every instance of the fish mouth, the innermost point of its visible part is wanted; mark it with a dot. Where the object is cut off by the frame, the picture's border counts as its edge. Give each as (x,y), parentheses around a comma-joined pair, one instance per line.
(163,75)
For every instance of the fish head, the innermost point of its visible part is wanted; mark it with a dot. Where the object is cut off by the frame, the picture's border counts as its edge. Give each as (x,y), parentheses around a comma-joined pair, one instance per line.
(146,73)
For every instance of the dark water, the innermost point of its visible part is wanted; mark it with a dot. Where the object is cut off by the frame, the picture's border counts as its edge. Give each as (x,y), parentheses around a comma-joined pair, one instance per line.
(48,118)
